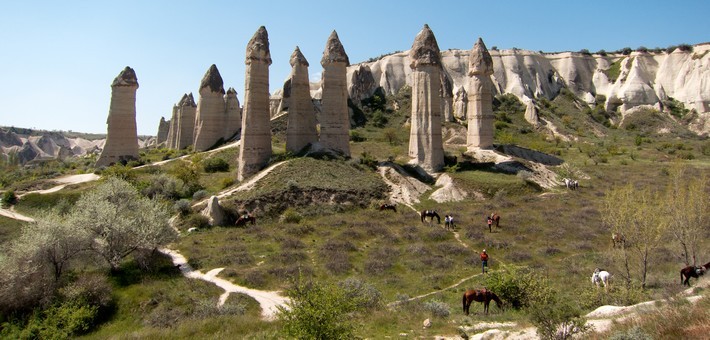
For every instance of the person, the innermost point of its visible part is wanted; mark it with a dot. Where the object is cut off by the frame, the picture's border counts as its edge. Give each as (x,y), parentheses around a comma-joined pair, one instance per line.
(484,261)
(490,224)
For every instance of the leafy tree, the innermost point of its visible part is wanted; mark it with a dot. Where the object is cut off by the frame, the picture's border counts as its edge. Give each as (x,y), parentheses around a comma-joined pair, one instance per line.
(639,216)
(318,311)
(557,319)
(686,203)
(119,221)
(519,286)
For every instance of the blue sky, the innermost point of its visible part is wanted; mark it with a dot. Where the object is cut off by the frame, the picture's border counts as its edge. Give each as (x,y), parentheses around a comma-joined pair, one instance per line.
(60,57)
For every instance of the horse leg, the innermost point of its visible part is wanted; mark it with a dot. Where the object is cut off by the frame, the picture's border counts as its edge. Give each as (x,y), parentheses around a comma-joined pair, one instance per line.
(485,306)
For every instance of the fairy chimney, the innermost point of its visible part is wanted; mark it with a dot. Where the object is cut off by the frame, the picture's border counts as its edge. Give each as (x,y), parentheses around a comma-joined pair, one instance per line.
(172,130)
(255,147)
(121,136)
(480,98)
(209,126)
(460,104)
(163,129)
(335,118)
(186,113)
(425,141)
(233,114)
(447,97)
(301,129)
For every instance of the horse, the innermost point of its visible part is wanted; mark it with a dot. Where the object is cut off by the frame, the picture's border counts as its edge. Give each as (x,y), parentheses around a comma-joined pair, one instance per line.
(387,206)
(571,184)
(691,271)
(244,219)
(449,222)
(430,213)
(480,295)
(601,276)
(496,219)
(618,238)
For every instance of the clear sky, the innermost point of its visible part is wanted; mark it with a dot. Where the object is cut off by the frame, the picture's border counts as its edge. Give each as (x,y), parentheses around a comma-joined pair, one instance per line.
(59,58)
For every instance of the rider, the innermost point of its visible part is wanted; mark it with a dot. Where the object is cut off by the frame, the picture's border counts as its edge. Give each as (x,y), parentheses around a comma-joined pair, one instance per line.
(490,224)
(484,261)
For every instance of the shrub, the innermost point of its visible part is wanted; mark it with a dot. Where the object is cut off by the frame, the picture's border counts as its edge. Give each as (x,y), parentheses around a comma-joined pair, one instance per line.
(437,308)
(182,207)
(338,263)
(317,311)
(164,186)
(356,136)
(8,198)
(557,319)
(364,294)
(215,164)
(227,182)
(634,333)
(196,221)
(519,286)
(290,216)
(199,194)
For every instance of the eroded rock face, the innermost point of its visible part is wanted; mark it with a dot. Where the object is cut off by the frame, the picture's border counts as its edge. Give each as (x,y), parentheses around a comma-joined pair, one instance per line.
(447,98)
(122,136)
(425,141)
(460,103)
(361,83)
(214,212)
(163,130)
(233,116)
(185,125)
(209,119)
(480,98)
(255,147)
(301,129)
(335,119)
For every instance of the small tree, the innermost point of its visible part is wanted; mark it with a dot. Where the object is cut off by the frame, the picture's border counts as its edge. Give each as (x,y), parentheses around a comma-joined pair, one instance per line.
(119,221)
(686,204)
(318,311)
(556,319)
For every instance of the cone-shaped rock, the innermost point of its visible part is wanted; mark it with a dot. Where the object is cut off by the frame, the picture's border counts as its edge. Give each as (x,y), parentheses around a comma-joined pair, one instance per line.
(255,146)
(187,111)
(122,136)
(163,129)
(480,98)
(425,142)
(214,212)
(335,118)
(209,118)
(233,115)
(301,129)
(172,132)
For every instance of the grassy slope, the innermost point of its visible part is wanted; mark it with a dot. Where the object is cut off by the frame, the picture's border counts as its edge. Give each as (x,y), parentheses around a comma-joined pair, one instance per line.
(558,233)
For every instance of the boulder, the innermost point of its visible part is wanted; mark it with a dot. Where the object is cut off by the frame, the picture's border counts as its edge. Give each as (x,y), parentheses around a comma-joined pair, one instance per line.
(214,212)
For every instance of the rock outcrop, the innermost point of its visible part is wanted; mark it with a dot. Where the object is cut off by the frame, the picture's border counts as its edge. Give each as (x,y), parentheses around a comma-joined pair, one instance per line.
(255,147)
(460,104)
(335,119)
(209,119)
(172,132)
(122,136)
(447,98)
(185,125)
(301,129)
(214,212)
(480,98)
(426,147)
(163,130)
(233,114)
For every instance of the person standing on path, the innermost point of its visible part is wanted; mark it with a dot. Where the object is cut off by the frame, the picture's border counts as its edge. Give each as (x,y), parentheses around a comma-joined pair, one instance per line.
(484,261)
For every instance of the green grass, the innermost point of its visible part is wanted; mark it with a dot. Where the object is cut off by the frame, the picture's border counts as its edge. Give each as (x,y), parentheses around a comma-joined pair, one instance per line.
(9,229)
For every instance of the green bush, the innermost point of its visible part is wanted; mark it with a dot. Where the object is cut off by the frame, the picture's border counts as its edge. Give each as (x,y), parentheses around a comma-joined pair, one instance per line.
(356,136)
(196,221)
(290,216)
(59,321)
(557,319)
(182,207)
(215,164)
(519,286)
(9,198)
(634,333)
(364,294)
(437,308)
(318,311)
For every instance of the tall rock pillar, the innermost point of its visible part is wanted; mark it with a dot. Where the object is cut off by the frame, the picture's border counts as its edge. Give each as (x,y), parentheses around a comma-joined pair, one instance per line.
(233,115)
(163,130)
(172,132)
(480,98)
(335,119)
(187,111)
(209,127)
(301,129)
(425,142)
(121,136)
(255,147)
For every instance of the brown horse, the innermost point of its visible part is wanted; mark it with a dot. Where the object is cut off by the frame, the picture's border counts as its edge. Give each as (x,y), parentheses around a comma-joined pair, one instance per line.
(431,214)
(496,219)
(244,219)
(386,206)
(618,238)
(691,271)
(480,295)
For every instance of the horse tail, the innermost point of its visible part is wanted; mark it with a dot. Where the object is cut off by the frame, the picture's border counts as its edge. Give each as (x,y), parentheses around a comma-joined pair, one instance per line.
(464,302)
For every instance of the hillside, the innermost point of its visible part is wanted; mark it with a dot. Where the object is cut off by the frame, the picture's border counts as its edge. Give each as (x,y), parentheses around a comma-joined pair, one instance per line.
(317,220)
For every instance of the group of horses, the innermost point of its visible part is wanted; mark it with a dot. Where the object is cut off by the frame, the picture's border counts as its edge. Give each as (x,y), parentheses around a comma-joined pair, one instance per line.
(571,184)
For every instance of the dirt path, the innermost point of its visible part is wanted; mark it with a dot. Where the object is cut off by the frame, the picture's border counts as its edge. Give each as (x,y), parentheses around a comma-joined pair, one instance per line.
(268,300)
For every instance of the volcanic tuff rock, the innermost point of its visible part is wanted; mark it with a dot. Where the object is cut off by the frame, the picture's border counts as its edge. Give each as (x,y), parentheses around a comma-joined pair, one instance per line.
(335,118)
(681,75)
(255,146)
(214,212)
(186,113)
(426,147)
(121,137)
(209,119)
(233,116)
(301,129)
(480,98)
(163,130)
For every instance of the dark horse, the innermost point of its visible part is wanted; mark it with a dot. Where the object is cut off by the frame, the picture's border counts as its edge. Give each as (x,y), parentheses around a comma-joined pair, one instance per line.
(432,214)
(244,219)
(480,295)
(691,271)
(388,207)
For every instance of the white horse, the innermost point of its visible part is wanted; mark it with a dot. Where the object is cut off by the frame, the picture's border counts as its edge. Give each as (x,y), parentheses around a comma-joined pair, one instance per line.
(571,184)
(601,276)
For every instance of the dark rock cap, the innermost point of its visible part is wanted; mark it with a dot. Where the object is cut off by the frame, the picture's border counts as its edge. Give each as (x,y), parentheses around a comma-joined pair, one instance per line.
(334,51)
(425,50)
(184,101)
(298,58)
(213,79)
(231,92)
(258,47)
(127,77)
(480,61)
(192,100)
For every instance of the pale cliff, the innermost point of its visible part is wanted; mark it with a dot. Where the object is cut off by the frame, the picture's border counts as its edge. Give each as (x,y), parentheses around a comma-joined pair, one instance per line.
(645,79)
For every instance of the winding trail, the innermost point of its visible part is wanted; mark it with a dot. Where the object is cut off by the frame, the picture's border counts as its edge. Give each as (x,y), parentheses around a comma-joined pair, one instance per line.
(268,300)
